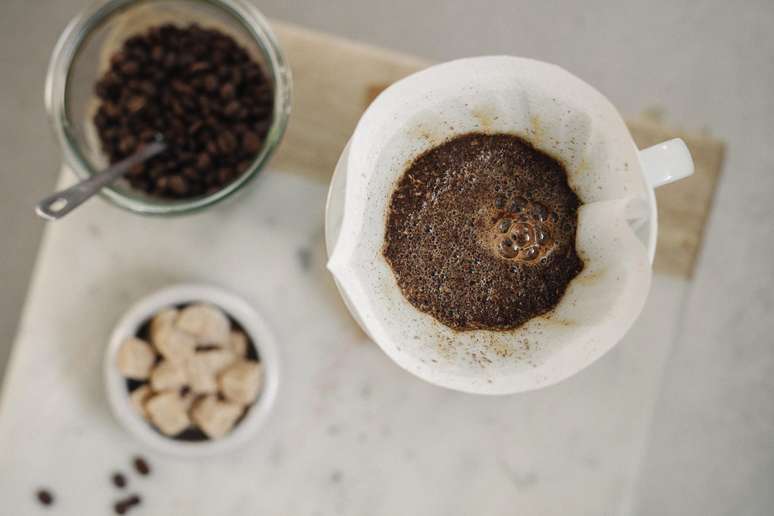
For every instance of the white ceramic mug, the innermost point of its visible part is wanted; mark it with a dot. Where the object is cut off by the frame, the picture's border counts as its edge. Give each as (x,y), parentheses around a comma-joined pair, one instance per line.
(657,165)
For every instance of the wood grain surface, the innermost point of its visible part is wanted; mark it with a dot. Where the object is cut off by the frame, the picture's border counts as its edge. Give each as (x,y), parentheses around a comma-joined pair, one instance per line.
(335,79)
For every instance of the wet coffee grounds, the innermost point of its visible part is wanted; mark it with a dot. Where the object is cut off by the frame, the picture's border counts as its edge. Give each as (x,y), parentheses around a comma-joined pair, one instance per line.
(480,232)
(199,91)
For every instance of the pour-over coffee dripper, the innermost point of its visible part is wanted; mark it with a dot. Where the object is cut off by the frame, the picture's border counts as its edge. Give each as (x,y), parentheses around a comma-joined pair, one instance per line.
(562,116)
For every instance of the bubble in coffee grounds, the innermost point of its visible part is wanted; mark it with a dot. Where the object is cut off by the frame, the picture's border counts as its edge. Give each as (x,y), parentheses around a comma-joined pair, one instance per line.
(201,92)
(480,232)
(141,466)
(124,505)
(44,496)
(119,480)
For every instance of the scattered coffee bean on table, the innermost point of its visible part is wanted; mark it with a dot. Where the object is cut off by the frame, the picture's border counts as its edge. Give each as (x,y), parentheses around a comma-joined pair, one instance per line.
(119,480)
(124,505)
(201,92)
(141,465)
(44,496)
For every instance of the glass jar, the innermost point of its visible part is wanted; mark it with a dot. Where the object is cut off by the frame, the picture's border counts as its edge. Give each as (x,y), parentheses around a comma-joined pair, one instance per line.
(82,54)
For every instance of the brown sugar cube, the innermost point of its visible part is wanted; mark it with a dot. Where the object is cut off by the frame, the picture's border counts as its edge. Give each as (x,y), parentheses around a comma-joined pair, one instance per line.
(241,382)
(216,360)
(167,412)
(208,324)
(168,375)
(214,417)
(201,379)
(163,319)
(237,342)
(203,367)
(138,397)
(135,358)
(173,344)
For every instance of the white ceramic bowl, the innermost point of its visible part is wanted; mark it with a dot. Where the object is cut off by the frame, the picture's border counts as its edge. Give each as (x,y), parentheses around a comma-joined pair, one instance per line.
(252,323)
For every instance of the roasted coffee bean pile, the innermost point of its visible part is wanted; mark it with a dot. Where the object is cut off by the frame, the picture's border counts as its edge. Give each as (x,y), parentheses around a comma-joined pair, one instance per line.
(198,90)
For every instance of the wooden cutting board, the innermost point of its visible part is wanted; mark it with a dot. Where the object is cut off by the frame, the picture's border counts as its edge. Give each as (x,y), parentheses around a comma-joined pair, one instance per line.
(335,79)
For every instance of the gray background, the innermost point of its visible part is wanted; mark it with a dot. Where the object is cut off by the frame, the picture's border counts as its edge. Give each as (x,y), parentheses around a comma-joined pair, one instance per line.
(705,64)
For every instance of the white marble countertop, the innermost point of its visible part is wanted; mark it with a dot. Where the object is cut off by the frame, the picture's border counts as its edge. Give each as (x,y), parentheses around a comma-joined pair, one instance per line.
(352,434)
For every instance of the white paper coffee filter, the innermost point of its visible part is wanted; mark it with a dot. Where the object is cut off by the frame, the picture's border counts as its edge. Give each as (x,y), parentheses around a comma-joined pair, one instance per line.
(562,116)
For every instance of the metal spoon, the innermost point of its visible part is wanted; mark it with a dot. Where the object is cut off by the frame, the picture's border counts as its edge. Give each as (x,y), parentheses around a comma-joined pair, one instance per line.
(61,203)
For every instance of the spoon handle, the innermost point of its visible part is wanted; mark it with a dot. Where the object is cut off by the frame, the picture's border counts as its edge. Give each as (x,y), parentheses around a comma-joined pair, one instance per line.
(61,203)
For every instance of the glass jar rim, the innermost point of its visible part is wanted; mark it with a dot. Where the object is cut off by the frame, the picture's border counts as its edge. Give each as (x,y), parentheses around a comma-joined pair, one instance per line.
(57,83)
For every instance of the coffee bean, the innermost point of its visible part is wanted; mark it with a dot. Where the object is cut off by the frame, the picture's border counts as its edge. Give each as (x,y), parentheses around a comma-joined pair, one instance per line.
(225,175)
(190,174)
(199,66)
(242,166)
(227,90)
(157,53)
(236,76)
(119,480)
(111,110)
(182,88)
(141,466)
(127,144)
(203,161)
(195,126)
(178,185)
(117,59)
(162,183)
(251,143)
(45,497)
(154,171)
(231,109)
(170,60)
(137,169)
(122,506)
(129,68)
(226,142)
(135,104)
(177,108)
(210,83)
(147,135)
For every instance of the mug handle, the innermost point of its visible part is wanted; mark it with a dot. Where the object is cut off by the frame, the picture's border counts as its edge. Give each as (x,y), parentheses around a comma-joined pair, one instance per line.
(666,162)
